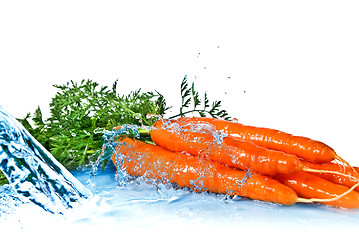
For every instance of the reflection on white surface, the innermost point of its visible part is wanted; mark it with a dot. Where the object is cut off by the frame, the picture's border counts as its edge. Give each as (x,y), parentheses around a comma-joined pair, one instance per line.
(147,207)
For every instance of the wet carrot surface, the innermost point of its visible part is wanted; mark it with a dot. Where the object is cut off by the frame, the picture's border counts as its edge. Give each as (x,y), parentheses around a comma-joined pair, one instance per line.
(141,159)
(303,147)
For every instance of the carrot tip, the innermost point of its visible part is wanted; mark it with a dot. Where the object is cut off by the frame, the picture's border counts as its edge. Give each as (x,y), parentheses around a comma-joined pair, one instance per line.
(345,163)
(320,200)
(328,171)
(304,200)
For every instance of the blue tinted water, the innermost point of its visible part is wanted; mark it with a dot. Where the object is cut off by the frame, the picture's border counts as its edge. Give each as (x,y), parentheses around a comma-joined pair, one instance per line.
(34,175)
(142,201)
(142,208)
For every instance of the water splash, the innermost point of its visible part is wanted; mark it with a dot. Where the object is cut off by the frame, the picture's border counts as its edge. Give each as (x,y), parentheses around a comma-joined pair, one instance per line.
(235,120)
(34,175)
(200,127)
(108,149)
(112,140)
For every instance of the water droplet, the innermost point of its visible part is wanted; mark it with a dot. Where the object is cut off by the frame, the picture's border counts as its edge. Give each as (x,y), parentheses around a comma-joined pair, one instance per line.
(234,120)
(148,116)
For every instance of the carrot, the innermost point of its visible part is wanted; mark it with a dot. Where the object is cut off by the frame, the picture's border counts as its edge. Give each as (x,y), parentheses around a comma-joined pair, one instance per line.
(141,159)
(174,135)
(348,176)
(197,139)
(306,148)
(306,185)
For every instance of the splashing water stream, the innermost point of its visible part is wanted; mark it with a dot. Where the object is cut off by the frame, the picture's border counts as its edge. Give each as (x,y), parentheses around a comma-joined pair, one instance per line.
(34,175)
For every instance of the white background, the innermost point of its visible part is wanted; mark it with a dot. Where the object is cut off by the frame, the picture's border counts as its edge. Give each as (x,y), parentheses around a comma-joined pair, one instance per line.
(289,65)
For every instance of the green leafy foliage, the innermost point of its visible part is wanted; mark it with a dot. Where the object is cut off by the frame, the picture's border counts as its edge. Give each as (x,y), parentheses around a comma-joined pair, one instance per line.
(3,179)
(191,103)
(80,112)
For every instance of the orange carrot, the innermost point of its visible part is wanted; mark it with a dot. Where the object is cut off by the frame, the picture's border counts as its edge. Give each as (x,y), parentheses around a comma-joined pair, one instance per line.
(306,148)
(232,152)
(142,159)
(179,136)
(306,185)
(348,177)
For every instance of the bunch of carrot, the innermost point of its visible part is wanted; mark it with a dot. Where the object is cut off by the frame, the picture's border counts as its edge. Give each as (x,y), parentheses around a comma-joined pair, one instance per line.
(208,154)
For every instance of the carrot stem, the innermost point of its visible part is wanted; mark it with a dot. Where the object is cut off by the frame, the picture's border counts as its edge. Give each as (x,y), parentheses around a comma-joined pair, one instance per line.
(143,131)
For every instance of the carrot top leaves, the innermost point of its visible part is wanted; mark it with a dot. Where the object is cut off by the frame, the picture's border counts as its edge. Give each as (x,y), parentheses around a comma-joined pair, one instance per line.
(3,179)
(81,112)
(190,95)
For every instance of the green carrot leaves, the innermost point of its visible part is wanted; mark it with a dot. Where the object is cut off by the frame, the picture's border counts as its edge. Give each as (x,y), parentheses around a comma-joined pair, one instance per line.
(3,179)
(80,112)
(190,95)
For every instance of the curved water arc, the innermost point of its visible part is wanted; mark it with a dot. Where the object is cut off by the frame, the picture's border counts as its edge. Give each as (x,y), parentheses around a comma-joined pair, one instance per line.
(33,173)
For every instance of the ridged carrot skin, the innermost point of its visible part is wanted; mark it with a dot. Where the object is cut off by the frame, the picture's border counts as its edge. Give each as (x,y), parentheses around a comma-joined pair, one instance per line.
(335,178)
(142,159)
(307,185)
(303,147)
(233,152)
